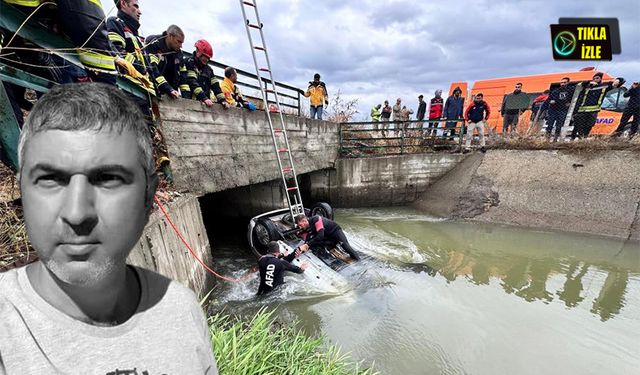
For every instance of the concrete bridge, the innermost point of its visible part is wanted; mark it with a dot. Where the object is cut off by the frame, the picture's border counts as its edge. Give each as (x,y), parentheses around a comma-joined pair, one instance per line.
(227,156)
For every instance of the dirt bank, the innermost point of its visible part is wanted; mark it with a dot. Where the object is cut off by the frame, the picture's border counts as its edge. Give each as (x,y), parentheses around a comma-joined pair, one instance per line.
(582,191)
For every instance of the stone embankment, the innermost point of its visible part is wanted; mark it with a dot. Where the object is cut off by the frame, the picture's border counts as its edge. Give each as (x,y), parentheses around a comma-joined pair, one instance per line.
(595,192)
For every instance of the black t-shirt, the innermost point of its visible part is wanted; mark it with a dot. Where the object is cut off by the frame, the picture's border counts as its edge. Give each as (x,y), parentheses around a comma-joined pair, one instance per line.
(272,271)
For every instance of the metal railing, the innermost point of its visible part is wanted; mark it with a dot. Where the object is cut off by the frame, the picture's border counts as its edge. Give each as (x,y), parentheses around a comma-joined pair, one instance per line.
(359,139)
(246,80)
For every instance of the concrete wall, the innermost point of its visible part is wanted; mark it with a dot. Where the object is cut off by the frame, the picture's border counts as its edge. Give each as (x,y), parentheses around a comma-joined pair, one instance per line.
(378,181)
(160,249)
(213,149)
(589,192)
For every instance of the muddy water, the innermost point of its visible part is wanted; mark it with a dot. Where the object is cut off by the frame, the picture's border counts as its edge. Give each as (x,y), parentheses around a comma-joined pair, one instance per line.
(437,297)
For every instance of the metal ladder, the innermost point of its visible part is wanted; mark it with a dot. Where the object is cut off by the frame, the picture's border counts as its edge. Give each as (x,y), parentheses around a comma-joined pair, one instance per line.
(279,133)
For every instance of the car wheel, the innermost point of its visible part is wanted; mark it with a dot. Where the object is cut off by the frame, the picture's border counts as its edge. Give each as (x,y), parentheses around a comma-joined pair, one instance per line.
(322,209)
(264,232)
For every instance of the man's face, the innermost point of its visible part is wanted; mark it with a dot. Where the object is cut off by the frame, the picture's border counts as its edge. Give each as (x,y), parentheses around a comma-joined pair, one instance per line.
(131,8)
(456,94)
(478,99)
(204,60)
(85,201)
(420,99)
(597,79)
(174,41)
(518,87)
(304,224)
(234,77)
(564,82)
(398,101)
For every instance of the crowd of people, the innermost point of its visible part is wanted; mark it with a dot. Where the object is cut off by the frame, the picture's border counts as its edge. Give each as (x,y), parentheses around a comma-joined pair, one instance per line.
(552,110)
(439,110)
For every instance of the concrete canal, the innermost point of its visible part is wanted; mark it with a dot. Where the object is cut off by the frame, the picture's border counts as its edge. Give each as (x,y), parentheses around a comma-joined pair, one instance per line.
(447,297)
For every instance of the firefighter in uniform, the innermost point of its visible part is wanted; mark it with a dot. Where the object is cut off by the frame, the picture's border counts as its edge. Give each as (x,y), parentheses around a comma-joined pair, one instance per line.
(82,22)
(588,104)
(123,34)
(167,61)
(203,84)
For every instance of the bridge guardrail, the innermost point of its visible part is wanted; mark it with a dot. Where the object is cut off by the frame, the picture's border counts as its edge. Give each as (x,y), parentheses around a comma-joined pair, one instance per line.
(359,139)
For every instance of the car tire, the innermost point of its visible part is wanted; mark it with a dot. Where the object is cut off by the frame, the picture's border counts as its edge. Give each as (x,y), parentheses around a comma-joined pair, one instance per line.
(264,232)
(322,209)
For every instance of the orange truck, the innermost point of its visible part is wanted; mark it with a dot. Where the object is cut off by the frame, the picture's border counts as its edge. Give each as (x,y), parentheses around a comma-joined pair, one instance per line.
(495,90)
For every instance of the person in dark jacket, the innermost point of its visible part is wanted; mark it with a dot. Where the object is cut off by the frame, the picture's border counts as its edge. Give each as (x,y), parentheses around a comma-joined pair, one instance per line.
(558,103)
(126,40)
(435,111)
(422,109)
(385,117)
(167,61)
(476,115)
(589,103)
(453,109)
(203,84)
(319,231)
(632,110)
(272,267)
(512,107)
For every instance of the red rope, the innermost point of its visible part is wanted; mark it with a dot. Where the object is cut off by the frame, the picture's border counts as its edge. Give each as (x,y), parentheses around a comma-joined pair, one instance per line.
(166,215)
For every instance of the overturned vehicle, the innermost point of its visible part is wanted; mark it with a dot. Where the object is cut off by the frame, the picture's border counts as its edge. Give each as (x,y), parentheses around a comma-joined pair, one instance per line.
(280,226)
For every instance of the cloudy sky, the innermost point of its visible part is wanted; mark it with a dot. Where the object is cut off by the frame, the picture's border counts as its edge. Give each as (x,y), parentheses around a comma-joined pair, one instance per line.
(374,50)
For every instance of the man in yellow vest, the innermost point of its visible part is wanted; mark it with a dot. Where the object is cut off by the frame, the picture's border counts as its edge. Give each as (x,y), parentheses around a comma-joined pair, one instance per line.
(317,92)
(232,93)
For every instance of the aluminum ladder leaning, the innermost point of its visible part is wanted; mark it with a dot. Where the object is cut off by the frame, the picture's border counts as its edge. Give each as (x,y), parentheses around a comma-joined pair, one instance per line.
(278,131)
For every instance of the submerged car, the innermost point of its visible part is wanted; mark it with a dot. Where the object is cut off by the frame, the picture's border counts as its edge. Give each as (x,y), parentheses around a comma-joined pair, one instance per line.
(279,226)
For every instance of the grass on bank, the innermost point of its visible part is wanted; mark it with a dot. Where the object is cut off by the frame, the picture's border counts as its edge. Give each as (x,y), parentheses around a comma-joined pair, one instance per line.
(262,346)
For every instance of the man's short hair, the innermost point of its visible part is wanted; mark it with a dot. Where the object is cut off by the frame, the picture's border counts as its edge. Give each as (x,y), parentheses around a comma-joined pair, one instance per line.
(273,247)
(599,74)
(88,106)
(316,76)
(175,30)
(420,96)
(546,91)
(229,71)
(300,217)
(519,83)
(567,78)
(119,3)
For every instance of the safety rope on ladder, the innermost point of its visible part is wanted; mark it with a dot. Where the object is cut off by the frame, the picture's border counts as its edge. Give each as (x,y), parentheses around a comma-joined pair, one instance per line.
(203,264)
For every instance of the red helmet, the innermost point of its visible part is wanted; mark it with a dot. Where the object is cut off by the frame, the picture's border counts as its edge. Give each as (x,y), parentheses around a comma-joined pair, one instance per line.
(204,48)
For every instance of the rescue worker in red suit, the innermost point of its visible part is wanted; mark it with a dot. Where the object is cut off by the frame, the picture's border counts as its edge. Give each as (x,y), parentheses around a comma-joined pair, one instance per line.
(318,231)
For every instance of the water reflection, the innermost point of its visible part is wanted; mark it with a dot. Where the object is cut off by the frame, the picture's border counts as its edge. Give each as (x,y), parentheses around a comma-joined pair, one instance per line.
(534,266)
